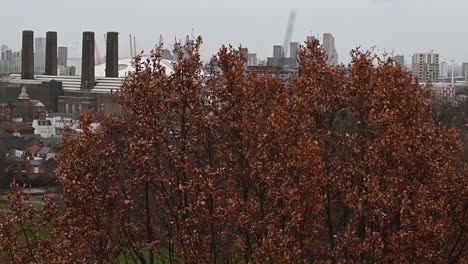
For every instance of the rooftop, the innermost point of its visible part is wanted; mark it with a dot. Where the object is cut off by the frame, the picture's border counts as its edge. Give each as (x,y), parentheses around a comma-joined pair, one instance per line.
(73,83)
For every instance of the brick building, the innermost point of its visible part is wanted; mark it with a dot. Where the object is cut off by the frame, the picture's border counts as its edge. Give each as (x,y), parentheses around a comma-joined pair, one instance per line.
(25,109)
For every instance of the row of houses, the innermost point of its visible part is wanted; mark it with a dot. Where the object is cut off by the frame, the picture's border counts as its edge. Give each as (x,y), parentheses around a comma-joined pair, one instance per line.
(31,160)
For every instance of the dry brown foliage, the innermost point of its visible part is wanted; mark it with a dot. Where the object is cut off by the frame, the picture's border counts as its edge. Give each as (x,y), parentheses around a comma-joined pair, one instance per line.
(336,165)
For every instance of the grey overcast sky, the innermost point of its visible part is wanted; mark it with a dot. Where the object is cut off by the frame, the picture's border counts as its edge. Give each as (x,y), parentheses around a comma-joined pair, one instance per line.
(405,26)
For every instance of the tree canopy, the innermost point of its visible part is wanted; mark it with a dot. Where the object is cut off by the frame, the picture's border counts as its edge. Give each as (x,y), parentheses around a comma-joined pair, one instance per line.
(218,166)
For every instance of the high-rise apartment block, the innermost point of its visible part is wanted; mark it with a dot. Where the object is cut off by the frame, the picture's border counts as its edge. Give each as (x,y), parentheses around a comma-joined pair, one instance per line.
(329,49)
(426,66)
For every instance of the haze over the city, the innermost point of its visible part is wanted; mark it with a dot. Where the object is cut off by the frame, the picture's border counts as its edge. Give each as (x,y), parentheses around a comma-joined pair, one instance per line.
(405,26)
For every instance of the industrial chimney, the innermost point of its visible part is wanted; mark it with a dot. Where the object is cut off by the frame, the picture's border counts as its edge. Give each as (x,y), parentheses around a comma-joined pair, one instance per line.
(27,55)
(87,61)
(112,54)
(51,53)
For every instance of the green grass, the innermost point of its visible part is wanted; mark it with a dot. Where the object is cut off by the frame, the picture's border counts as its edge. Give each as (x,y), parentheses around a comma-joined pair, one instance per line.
(121,258)
(43,232)
(5,204)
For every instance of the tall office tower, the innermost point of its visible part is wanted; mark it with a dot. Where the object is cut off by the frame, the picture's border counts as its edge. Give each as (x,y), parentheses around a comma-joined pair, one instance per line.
(329,49)
(426,66)
(16,62)
(8,55)
(252,59)
(112,54)
(87,61)
(465,70)
(444,69)
(3,48)
(27,55)
(39,55)
(62,56)
(400,60)
(6,62)
(278,51)
(293,47)
(51,53)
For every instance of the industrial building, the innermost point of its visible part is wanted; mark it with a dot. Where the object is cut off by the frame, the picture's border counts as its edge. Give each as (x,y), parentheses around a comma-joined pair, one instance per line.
(94,89)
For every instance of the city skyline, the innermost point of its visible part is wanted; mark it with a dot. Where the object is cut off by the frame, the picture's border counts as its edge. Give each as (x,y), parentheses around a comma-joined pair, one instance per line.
(405,27)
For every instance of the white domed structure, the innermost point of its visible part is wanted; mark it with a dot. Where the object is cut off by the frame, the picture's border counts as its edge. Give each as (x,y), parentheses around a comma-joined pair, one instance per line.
(125,67)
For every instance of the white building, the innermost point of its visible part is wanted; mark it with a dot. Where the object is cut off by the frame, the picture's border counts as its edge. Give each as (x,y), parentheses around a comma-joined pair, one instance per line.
(329,49)
(126,67)
(55,125)
(44,128)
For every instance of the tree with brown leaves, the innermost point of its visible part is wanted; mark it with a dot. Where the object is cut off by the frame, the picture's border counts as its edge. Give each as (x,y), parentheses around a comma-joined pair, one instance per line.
(336,165)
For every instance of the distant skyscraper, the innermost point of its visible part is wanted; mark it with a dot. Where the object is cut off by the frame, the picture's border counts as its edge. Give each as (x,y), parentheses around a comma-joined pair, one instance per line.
(16,62)
(444,69)
(245,53)
(465,70)
(426,66)
(8,55)
(167,54)
(278,51)
(310,38)
(62,56)
(39,55)
(293,47)
(400,60)
(7,60)
(3,48)
(329,48)
(252,59)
